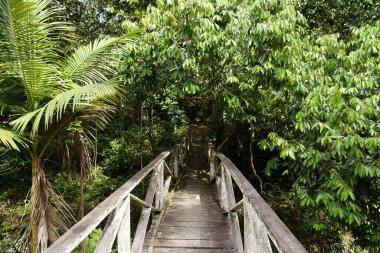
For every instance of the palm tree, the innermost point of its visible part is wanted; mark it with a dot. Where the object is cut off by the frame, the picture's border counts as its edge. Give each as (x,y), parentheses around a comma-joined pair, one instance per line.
(10,139)
(46,91)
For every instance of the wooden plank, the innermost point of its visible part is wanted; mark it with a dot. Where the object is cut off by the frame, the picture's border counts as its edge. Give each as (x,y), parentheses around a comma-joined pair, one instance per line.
(235,227)
(196,204)
(173,229)
(237,206)
(223,197)
(160,186)
(204,217)
(142,203)
(218,166)
(194,196)
(165,191)
(255,236)
(212,166)
(249,231)
(197,211)
(236,234)
(111,229)
(175,154)
(195,224)
(217,183)
(138,240)
(192,233)
(144,218)
(229,189)
(124,235)
(154,229)
(67,242)
(193,236)
(181,155)
(199,204)
(213,244)
(167,169)
(279,233)
(193,250)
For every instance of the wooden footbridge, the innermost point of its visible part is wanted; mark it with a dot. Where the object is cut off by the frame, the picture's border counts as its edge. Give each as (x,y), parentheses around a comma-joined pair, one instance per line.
(198,213)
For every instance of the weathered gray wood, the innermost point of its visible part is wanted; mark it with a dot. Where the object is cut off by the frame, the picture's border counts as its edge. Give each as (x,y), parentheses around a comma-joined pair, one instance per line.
(218,183)
(145,213)
(141,231)
(277,230)
(249,231)
(175,154)
(212,164)
(67,242)
(218,167)
(236,234)
(191,250)
(193,221)
(142,203)
(157,222)
(196,224)
(165,191)
(167,169)
(223,197)
(238,206)
(230,202)
(160,186)
(234,218)
(192,233)
(255,237)
(111,228)
(199,210)
(214,244)
(194,217)
(124,235)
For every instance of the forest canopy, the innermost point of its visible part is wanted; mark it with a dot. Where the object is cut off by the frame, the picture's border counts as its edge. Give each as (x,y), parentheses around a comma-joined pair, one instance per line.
(290,89)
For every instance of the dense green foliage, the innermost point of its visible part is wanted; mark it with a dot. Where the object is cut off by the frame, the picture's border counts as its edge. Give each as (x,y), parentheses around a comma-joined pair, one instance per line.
(292,85)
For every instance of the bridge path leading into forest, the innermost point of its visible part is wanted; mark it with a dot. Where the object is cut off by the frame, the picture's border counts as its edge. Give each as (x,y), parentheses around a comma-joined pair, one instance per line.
(193,220)
(198,213)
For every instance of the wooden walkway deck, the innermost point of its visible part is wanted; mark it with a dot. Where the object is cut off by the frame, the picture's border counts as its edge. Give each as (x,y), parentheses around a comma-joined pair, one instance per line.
(190,219)
(193,221)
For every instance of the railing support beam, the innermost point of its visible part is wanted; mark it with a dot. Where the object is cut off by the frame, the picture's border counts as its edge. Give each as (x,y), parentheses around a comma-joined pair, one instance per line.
(111,228)
(124,235)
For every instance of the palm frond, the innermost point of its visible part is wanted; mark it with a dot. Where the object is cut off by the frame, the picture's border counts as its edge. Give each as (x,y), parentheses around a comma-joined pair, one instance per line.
(74,98)
(27,43)
(91,63)
(11,139)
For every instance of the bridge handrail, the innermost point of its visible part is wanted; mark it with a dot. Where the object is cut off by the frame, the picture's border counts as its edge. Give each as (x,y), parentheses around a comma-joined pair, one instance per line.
(260,221)
(117,208)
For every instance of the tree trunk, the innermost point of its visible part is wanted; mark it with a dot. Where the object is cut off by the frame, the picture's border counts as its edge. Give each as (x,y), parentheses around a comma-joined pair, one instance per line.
(38,205)
(81,208)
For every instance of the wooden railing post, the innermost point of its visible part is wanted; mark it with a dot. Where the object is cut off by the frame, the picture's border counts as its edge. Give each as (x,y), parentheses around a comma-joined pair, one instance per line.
(212,164)
(144,218)
(262,227)
(255,235)
(175,169)
(165,191)
(117,208)
(160,186)
(188,143)
(111,229)
(224,202)
(238,242)
(124,235)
